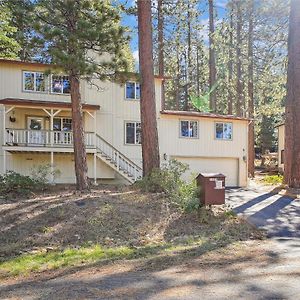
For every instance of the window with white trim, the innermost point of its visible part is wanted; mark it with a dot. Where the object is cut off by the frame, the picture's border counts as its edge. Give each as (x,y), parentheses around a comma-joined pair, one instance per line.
(62,124)
(133,133)
(189,129)
(132,90)
(60,84)
(223,131)
(34,81)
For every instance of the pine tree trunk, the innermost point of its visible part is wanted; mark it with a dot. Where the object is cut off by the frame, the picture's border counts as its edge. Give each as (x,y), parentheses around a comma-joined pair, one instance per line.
(239,86)
(230,67)
(251,153)
(78,135)
(212,59)
(198,72)
(150,147)
(188,60)
(161,63)
(292,109)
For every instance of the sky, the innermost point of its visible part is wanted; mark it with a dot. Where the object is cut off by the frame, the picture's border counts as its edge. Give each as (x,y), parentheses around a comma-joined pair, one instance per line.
(131,21)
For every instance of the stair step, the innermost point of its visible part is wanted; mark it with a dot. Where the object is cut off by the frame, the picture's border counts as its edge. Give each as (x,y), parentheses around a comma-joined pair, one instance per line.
(111,160)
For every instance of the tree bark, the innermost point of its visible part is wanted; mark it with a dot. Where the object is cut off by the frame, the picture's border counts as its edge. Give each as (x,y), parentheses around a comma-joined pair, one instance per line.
(81,168)
(188,60)
(251,153)
(292,108)
(230,66)
(150,147)
(161,62)
(212,59)
(239,87)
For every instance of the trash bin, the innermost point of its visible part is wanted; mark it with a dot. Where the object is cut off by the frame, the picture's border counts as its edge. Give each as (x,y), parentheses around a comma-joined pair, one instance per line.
(212,188)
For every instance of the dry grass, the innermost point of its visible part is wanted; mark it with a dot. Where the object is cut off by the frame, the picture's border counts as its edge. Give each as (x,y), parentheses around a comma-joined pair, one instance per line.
(63,229)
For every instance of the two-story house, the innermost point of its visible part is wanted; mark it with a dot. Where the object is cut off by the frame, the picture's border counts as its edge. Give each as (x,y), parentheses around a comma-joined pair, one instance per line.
(36,128)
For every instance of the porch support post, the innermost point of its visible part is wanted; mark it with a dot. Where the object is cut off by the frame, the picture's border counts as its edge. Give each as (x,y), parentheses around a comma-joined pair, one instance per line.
(51,114)
(52,167)
(4,161)
(5,112)
(95,129)
(93,116)
(4,125)
(51,129)
(95,168)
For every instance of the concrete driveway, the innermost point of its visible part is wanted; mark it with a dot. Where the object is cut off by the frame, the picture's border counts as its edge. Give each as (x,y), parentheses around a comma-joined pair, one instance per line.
(278,215)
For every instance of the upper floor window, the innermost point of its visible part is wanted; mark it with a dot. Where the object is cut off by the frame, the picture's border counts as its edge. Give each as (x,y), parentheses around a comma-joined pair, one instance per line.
(133,133)
(132,90)
(60,84)
(189,129)
(223,131)
(34,81)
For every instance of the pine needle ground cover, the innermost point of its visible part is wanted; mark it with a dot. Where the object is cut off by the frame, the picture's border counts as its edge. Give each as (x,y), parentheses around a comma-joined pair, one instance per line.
(63,229)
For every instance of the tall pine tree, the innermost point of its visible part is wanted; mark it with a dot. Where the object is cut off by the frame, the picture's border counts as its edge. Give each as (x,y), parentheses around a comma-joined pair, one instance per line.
(75,35)
(9,47)
(292,125)
(150,147)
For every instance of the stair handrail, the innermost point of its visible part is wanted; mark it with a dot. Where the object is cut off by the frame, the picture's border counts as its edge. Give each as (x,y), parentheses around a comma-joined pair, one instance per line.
(118,151)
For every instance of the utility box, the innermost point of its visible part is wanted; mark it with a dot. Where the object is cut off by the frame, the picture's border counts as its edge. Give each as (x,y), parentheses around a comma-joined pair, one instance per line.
(212,188)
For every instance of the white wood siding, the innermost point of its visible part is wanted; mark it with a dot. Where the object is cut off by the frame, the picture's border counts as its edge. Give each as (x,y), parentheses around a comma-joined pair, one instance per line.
(110,123)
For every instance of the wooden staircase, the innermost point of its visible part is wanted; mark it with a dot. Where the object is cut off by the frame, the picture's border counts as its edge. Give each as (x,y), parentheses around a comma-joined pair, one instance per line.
(117,161)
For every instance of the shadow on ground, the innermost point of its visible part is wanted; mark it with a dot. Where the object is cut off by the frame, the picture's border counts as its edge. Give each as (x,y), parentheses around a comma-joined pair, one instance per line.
(278,215)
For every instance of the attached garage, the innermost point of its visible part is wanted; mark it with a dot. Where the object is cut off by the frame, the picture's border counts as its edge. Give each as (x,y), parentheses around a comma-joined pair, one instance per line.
(227,166)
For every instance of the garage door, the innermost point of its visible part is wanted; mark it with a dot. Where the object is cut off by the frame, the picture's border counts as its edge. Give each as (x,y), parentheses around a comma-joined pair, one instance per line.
(227,166)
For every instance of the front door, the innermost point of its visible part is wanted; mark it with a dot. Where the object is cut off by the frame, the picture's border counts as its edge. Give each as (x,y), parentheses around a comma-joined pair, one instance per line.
(36,135)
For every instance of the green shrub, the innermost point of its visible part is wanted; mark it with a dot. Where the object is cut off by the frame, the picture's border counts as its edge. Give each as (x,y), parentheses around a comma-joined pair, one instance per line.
(42,174)
(168,180)
(273,179)
(13,183)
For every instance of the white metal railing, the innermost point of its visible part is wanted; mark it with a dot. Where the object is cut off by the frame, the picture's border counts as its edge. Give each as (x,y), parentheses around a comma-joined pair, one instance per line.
(121,162)
(27,137)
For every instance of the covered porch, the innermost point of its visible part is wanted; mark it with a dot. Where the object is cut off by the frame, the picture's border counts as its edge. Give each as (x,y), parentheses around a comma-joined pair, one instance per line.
(34,126)
(45,124)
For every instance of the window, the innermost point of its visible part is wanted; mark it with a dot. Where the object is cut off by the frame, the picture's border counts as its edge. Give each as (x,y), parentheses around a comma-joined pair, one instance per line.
(282,156)
(189,129)
(133,133)
(60,84)
(34,81)
(223,131)
(133,90)
(62,124)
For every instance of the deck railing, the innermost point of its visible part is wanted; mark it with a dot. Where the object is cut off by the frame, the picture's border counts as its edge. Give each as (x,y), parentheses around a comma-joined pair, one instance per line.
(27,137)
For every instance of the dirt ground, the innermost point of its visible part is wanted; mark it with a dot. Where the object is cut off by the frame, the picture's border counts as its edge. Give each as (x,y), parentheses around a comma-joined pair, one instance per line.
(232,262)
(109,216)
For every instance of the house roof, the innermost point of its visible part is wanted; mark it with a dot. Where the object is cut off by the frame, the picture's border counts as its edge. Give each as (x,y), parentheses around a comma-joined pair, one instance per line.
(202,115)
(28,63)
(39,64)
(40,103)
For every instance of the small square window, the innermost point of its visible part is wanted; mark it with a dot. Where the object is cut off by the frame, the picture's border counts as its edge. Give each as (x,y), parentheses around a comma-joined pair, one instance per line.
(60,84)
(223,131)
(34,81)
(189,129)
